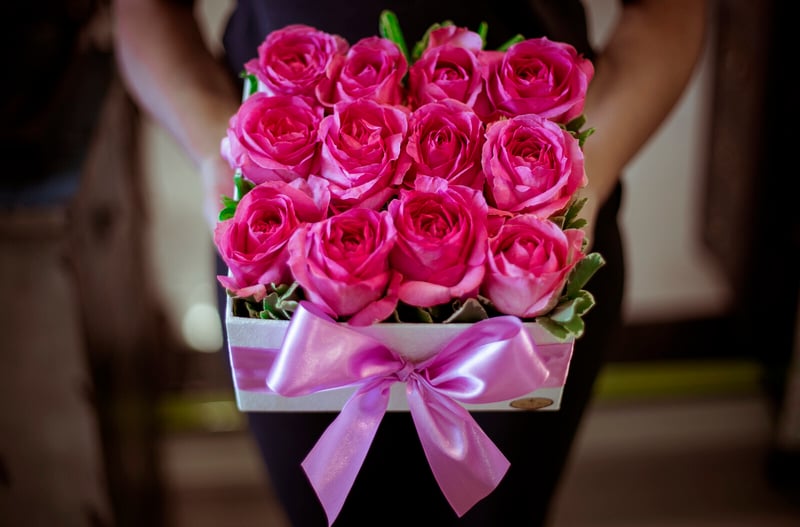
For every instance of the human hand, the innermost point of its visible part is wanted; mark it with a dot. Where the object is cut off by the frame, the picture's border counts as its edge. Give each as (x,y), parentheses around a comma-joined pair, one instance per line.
(217,180)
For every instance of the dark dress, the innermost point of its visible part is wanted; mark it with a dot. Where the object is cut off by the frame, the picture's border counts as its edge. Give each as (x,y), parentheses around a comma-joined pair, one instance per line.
(395,485)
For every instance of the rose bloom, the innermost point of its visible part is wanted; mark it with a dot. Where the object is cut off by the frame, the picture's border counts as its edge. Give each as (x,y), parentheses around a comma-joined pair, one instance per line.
(445,140)
(441,241)
(531,165)
(342,264)
(361,143)
(529,261)
(443,72)
(273,137)
(373,69)
(292,60)
(538,76)
(253,242)
(455,36)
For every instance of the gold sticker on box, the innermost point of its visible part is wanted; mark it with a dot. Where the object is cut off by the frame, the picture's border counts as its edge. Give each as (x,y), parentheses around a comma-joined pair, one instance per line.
(531,403)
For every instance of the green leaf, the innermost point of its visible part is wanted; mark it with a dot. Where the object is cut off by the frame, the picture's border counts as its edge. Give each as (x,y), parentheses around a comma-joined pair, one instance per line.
(579,223)
(557,330)
(389,27)
(583,302)
(583,272)
(250,84)
(575,327)
(286,291)
(267,315)
(483,31)
(571,219)
(470,311)
(583,136)
(574,128)
(422,44)
(565,312)
(423,315)
(574,208)
(558,220)
(227,213)
(510,42)
(242,186)
(576,124)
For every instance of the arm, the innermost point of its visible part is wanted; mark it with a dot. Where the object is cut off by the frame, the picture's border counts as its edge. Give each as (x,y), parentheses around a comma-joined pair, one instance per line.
(173,76)
(639,77)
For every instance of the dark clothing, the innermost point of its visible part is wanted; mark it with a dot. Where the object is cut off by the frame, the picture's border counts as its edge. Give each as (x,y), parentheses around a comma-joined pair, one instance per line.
(251,21)
(395,485)
(51,109)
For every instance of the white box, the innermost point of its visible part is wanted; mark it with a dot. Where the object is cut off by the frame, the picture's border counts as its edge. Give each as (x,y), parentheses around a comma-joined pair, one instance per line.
(414,341)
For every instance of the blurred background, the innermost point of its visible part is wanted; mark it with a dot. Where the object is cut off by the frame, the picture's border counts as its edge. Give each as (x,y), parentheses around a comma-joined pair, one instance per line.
(696,421)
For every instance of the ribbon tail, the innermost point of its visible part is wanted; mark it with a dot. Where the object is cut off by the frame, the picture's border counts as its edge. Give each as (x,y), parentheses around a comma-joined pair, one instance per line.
(467,465)
(334,462)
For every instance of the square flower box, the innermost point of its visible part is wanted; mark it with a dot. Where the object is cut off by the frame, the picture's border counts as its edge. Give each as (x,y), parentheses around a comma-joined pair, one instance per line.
(416,342)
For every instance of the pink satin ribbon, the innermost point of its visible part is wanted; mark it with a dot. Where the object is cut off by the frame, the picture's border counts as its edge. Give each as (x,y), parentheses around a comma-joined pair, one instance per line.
(493,360)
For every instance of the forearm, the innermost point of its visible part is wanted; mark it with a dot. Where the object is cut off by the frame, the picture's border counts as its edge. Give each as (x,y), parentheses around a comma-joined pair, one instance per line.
(639,77)
(172,75)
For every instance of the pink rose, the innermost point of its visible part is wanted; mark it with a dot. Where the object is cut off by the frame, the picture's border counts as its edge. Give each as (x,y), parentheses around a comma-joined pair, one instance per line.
(441,241)
(445,140)
(292,60)
(342,264)
(361,145)
(455,36)
(253,242)
(531,165)
(538,76)
(529,262)
(273,137)
(444,72)
(373,69)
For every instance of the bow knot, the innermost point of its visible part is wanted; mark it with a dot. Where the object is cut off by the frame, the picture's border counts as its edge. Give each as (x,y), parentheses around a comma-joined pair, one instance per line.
(405,372)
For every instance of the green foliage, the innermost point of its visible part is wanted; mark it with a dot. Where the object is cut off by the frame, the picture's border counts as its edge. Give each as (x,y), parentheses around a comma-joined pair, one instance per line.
(250,84)
(389,27)
(571,219)
(574,128)
(279,304)
(241,186)
(483,31)
(228,208)
(510,42)
(471,310)
(583,272)
(566,319)
(422,43)
(467,311)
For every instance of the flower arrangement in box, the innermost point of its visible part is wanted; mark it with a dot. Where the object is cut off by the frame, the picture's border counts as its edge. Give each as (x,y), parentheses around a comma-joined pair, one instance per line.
(405,217)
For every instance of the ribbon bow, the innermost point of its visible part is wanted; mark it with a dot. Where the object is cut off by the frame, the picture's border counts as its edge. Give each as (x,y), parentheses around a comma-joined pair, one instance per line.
(493,360)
